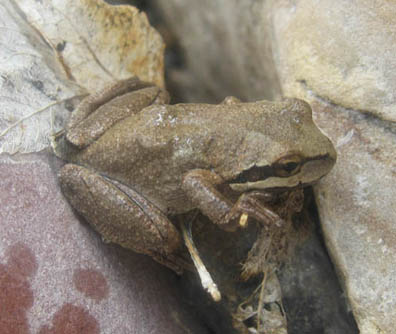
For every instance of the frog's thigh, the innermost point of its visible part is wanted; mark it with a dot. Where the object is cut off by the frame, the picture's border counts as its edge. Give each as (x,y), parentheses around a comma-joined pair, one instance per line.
(104,95)
(99,112)
(121,215)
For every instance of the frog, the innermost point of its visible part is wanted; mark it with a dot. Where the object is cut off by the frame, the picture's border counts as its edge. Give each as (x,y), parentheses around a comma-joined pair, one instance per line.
(135,162)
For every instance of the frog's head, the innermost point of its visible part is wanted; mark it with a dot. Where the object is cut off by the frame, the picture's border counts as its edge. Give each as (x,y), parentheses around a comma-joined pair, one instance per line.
(283,149)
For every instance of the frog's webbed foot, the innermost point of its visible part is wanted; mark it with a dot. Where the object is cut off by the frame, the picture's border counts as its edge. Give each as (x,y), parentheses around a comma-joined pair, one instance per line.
(100,111)
(201,186)
(122,215)
(253,204)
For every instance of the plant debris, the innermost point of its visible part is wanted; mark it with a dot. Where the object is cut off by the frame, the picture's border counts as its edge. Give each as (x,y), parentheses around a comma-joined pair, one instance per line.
(244,267)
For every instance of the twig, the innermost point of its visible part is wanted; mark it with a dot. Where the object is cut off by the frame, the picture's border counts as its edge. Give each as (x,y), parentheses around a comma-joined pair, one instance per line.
(37,112)
(206,279)
(261,300)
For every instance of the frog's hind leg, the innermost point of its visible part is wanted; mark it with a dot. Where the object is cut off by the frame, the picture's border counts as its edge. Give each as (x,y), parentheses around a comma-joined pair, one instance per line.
(121,215)
(101,110)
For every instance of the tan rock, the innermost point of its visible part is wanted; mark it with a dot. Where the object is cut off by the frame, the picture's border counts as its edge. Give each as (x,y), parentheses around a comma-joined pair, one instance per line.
(56,50)
(227,47)
(357,208)
(340,57)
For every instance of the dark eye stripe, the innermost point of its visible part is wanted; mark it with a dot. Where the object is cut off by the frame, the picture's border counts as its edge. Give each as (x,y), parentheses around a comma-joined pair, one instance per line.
(255,173)
(290,166)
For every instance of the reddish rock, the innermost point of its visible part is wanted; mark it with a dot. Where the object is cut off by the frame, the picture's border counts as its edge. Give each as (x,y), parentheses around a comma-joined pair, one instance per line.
(56,274)
(91,283)
(16,295)
(72,319)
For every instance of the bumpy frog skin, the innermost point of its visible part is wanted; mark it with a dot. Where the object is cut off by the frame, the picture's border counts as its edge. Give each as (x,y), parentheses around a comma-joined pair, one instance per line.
(135,160)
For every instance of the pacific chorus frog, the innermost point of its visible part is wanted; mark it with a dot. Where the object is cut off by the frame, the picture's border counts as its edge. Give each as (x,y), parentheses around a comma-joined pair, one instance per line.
(136,160)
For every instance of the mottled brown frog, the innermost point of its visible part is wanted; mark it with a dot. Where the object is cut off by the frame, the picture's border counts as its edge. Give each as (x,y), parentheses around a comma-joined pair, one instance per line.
(136,161)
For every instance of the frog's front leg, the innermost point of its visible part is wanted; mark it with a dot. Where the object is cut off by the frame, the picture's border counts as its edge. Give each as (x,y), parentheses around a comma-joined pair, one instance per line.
(100,111)
(121,215)
(201,186)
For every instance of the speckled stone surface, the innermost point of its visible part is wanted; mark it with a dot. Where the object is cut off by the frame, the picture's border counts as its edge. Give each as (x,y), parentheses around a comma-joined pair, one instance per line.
(339,57)
(57,276)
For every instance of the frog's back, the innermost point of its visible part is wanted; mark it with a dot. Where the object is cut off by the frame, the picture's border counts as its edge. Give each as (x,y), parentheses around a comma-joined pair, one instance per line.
(152,150)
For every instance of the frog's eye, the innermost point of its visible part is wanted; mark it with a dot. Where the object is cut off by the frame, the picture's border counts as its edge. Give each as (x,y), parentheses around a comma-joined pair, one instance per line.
(288,166)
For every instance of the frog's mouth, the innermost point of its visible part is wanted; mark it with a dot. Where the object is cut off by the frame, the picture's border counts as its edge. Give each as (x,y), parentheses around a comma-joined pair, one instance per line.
(284,176)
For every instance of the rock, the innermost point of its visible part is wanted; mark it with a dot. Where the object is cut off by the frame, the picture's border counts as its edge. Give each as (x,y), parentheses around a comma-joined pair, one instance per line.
(312,297)
(347,79)
(226,47)
(56,274)
(60,51)
(340,58)
(357,209)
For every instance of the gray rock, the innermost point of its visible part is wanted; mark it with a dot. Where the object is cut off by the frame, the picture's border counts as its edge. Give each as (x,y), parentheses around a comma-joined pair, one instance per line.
(339,56)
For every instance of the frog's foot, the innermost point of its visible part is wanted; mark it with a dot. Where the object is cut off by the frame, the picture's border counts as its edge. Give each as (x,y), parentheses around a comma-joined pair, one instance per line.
(201,186)
(100,111)
(253,204)
(121,215)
